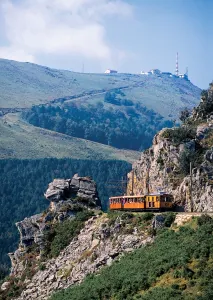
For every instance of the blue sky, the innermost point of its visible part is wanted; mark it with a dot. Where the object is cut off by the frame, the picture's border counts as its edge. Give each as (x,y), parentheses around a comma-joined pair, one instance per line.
(130,36)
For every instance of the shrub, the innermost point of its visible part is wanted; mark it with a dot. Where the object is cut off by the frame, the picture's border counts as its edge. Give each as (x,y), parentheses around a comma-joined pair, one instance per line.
(169,219)
(184,114)
(187,157)
(179,135)
(204,219)
(42,267)
(147,216)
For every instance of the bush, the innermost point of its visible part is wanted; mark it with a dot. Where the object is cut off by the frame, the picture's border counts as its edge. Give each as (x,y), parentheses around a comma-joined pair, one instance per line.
(204,219)
(147,216)
(169,219)
(187,157)
(179,135)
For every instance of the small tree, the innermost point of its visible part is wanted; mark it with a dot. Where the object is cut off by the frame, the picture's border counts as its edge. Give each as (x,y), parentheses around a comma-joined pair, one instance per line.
(184,114)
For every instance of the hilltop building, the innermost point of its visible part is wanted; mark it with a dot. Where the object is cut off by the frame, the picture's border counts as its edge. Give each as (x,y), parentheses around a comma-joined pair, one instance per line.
(109,71)
(155,72)
(177,74)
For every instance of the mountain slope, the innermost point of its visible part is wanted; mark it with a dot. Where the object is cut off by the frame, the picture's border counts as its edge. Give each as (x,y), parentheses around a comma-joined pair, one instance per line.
(26,84)
(22,140)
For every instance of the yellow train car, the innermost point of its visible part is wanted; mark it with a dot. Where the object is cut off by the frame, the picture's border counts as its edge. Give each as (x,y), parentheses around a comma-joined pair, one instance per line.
(152,202)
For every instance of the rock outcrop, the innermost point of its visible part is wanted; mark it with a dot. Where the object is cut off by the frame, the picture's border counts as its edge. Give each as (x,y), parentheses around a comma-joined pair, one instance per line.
(66,197)
(81,187)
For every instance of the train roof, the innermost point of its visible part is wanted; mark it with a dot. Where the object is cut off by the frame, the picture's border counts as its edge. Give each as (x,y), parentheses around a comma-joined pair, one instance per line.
(122,196)
(135,196)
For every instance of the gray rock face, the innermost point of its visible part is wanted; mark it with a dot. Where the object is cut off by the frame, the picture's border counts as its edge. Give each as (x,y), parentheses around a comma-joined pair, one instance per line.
(29,228)
(203,129)
(158,221)
(209,155)
(81,187)
(97,245)
(5,285)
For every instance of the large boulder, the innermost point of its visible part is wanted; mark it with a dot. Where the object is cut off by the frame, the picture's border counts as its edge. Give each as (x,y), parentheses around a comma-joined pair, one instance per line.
(83,188)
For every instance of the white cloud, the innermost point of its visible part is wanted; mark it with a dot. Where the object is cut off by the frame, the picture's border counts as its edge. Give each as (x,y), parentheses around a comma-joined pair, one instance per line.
(58,27)
(15,54)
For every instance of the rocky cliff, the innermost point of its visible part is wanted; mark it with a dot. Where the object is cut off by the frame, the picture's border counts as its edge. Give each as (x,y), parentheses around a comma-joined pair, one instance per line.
(166,165)
(93,241)
(97,245)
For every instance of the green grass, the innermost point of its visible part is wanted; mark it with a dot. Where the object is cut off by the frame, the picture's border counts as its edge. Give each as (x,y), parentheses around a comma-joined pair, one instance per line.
(22,140)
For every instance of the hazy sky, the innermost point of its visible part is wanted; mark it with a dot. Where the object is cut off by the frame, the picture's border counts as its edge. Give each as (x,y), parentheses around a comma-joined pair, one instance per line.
(127,35)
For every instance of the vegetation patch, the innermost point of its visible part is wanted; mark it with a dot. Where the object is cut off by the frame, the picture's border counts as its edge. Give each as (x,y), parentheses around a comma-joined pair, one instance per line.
(130,127)
(179,135)
(61,234)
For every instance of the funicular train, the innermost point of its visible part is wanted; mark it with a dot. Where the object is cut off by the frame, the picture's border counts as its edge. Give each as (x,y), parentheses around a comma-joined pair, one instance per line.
(150,202)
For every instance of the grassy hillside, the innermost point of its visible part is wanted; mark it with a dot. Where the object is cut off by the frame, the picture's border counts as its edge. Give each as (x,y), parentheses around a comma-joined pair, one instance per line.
(177,266)
(22,140)
(25,84)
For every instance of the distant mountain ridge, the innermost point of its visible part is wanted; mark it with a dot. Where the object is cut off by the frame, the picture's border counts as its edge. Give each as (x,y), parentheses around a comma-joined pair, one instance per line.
(120,110)
(27,84)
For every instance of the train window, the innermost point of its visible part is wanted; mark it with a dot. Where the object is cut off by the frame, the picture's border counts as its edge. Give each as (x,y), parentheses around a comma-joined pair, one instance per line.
(150,204)
(167,199)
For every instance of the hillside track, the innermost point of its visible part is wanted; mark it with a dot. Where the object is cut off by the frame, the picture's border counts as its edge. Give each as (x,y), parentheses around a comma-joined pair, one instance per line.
(93,93)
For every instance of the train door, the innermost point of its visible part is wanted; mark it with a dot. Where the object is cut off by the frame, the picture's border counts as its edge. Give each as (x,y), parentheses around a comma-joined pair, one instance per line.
(122,203)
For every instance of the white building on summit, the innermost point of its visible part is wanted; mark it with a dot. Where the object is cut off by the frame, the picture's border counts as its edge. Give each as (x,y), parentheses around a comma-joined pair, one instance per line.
(109,71)
(177,74)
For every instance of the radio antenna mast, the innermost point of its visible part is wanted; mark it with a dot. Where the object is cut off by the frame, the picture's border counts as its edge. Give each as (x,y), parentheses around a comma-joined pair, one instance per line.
(177,67)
